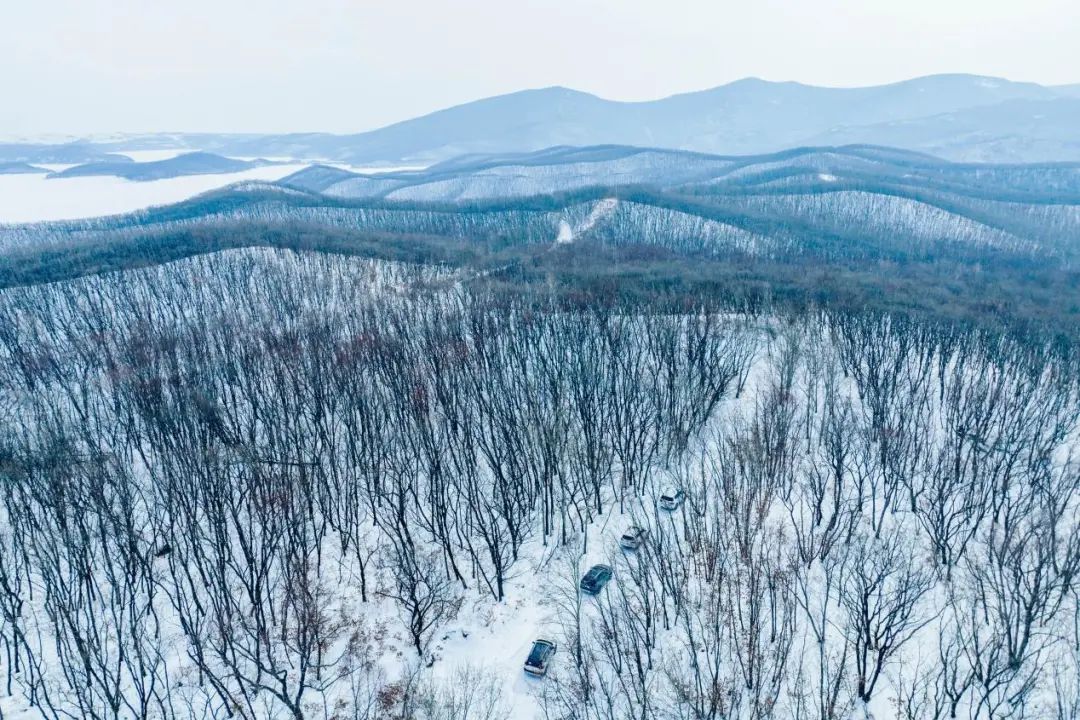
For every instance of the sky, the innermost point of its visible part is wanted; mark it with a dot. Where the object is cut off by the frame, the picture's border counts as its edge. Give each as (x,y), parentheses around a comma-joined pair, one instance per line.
(81,67)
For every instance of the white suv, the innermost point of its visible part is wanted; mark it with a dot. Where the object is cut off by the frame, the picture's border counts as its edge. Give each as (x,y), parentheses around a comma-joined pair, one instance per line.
(672,499)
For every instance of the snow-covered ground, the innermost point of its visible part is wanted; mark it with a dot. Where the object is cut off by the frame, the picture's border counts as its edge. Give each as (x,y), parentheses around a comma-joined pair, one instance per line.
(738,502)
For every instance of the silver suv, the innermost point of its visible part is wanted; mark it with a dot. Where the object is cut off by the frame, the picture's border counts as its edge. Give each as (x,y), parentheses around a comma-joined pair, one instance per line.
(633,538)
(672,499)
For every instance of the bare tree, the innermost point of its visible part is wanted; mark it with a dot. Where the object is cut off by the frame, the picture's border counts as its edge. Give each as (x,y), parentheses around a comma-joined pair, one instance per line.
(882,599)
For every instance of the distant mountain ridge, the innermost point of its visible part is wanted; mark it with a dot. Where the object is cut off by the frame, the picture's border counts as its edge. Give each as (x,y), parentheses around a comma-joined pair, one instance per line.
(958,117)
(20,168)
(55,153)
(745,117)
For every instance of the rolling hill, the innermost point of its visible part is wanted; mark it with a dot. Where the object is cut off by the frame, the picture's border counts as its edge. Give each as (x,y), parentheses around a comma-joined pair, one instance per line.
(196,163)
(827,168)
(851,226)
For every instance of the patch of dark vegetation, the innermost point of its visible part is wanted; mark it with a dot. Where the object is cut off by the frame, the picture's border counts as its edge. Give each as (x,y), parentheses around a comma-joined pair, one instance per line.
(59,262)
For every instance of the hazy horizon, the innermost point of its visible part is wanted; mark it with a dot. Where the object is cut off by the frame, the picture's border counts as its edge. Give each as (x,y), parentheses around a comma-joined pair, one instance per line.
(331,66)
(105,134)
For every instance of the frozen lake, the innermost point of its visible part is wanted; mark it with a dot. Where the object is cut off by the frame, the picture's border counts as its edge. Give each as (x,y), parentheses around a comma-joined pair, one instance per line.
(34,198)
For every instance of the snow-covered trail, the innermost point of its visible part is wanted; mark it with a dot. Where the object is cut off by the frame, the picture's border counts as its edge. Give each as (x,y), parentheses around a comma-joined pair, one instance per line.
(602,209)
(497,636)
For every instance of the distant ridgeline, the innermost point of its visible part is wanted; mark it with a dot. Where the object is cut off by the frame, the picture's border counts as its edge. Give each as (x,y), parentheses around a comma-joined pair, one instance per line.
(857,227)
(196,163)
(959,117)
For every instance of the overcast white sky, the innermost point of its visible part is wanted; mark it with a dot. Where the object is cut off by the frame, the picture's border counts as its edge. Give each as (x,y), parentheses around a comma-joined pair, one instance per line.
(99,66)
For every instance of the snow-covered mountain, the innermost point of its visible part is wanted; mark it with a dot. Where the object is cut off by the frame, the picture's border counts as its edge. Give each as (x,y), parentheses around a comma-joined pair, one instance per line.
(748,116)
(960,117)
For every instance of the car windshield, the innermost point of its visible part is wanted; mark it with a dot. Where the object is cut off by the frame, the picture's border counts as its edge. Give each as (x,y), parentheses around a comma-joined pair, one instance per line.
(536,657)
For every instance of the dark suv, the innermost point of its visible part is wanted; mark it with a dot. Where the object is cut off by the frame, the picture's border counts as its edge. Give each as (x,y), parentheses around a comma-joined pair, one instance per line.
(595,580)
(537,662)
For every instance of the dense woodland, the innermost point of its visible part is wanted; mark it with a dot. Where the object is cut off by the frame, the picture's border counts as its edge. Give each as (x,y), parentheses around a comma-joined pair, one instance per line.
(261,483)
(842,251)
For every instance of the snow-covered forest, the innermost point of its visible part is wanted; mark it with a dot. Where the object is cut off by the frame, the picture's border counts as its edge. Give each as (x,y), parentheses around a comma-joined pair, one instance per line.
(272,484)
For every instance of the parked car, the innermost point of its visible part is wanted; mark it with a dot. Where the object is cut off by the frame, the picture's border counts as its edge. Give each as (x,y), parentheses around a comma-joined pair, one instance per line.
(595,580)
(540,657)
(672,499)
(633,538)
